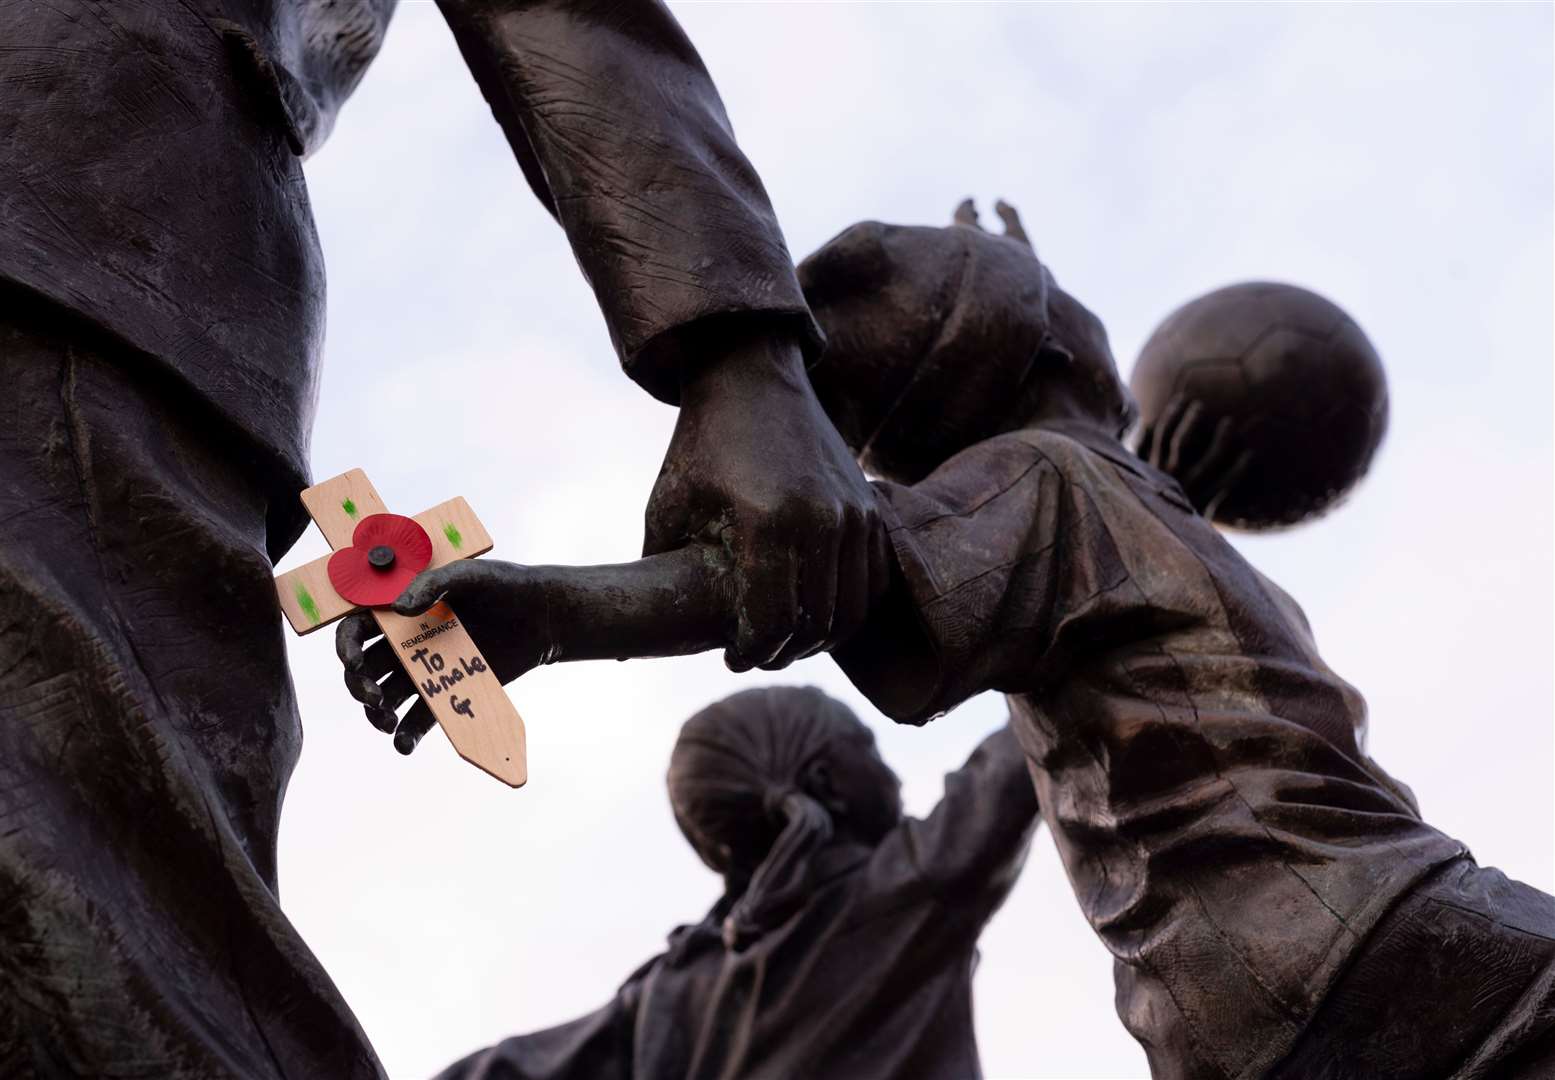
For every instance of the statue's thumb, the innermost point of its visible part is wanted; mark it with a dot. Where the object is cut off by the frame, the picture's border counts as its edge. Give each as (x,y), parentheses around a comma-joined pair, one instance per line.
(419,595)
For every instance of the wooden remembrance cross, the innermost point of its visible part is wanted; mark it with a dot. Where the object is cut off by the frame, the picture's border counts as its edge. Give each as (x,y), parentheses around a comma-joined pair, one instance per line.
(448,671)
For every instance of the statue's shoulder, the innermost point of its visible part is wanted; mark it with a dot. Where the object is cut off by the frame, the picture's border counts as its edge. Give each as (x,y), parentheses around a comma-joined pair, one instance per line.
(1071,451)
(1092,460)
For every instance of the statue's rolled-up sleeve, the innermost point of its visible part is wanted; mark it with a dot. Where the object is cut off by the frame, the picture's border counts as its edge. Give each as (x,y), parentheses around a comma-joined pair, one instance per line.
(623,137)
(975,595)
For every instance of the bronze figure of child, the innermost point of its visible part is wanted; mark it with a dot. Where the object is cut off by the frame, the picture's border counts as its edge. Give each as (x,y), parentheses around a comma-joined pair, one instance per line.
(845,940)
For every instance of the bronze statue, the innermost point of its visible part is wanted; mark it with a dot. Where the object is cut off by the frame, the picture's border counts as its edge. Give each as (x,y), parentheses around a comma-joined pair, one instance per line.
(845,940)
(1274,902)
(159,346)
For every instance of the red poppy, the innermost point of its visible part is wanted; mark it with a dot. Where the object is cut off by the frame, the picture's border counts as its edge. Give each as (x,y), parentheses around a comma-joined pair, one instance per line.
(386,552)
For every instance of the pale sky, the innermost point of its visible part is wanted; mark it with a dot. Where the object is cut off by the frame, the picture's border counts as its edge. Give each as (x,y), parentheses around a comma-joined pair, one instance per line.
(1396,158)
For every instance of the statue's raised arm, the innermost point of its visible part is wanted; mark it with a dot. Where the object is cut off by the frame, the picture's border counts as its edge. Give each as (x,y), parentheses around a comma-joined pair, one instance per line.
(619,130)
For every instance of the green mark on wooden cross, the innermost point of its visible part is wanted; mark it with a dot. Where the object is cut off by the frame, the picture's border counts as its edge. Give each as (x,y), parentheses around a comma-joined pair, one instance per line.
(350,508)
(451,531)
(309,606)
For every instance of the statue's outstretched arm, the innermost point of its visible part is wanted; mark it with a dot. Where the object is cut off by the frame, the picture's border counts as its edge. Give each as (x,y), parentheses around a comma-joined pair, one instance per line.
(672,604)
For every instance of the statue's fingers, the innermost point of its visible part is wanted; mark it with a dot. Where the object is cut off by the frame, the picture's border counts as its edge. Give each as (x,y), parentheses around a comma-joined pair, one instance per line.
(362,672)
(430,586)
(818,584)
(767,600)
(353,633)
(394,691)
(418,721)
(383,719)
(378,660)
(397,689)
(1163,428)
(1145,451)
(366,670)
(1012,223)
(853,584)
(369,686)
(1205,477)
(1186,426)
(370,695)
(1228,483)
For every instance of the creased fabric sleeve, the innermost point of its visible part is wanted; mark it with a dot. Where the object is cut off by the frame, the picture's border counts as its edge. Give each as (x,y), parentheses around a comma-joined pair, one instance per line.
(975,840)
(977,596)
(620,132)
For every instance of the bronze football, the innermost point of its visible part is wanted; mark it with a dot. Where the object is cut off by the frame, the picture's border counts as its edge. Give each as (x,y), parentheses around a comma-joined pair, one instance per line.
(1302,387)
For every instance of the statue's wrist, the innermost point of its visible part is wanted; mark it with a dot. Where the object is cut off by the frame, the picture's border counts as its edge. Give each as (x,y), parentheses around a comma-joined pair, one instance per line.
(747,369)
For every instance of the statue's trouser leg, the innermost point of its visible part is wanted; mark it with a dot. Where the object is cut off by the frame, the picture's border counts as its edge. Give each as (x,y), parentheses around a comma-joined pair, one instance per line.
(1457,981)
(147,730)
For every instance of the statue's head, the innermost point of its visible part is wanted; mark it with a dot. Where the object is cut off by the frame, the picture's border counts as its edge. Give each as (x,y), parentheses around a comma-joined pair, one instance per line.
(761,780)
(938,338)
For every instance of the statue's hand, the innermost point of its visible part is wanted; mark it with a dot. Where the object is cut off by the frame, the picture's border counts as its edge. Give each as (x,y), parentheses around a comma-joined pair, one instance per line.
(1206,460)
(500,604)
(754,465)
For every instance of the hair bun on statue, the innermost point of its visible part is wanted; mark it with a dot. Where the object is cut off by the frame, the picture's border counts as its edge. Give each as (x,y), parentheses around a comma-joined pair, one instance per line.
(735,789)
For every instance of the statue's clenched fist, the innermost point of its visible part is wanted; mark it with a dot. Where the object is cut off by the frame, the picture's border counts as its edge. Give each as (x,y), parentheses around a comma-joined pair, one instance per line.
(755,467)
